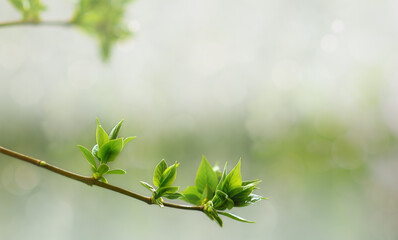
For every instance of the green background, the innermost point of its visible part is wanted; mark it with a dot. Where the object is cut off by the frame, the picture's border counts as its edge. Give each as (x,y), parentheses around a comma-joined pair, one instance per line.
(304,91)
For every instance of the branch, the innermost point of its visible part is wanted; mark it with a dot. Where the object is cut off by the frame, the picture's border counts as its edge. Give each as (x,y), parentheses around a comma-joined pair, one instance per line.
(90,180)
(59,23)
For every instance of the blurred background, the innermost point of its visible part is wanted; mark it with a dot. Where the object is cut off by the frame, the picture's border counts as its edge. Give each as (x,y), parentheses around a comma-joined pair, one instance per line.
(306,92)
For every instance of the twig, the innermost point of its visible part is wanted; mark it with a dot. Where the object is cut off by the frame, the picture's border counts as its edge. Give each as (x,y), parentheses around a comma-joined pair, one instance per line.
(90,180)
(60,23)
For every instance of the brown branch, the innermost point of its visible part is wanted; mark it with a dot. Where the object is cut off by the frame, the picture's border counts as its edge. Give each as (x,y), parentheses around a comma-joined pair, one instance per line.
(90,180)
(59,23)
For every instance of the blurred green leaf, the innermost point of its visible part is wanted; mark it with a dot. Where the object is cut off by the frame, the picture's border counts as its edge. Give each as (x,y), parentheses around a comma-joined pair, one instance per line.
(104,20)
(30,9)
(233,216)
(110,150)
(159,169)
(116,171)
(148,186)
(101,136)
(88,155)
(115,131)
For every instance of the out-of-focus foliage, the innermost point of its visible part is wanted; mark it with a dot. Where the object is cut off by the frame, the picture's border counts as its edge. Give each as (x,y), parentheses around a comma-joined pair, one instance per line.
(30,9)
(104,20)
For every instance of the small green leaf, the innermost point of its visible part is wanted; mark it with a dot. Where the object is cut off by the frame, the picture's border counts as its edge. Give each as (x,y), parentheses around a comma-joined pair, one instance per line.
(169,175)
(128,139)
(217,218)
(102,169)
(233,216)
(233,179)
(88,155)
(192,195)
(94,151)
(102,179)
(157,174)
(116,171)
(115,131)
(163,190)
(148,186)
(251,199)
(173,195)
(101,136)
(221,201)
(223,177)
(110,150)
(206,178)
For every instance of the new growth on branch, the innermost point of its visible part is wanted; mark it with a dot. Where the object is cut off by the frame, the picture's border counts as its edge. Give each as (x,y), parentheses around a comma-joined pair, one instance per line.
(213,193)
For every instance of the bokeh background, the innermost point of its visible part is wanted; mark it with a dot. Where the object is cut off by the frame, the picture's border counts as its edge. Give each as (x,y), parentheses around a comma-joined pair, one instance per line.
(306,92)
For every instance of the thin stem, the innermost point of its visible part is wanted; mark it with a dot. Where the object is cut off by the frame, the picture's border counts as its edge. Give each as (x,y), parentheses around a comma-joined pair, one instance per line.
(60,23)
(89,180)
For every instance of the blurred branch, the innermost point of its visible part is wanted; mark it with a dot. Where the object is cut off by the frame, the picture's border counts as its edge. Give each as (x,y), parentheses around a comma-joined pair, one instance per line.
(59,23)
(90,180)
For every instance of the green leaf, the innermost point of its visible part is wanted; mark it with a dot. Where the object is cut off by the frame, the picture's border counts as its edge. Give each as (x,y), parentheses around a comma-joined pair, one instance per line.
(148,186)
(157,174)
(94,151)
(102,169)
(128,139)
(116,171)
(206,178)
(30,9)
(251,199)
(233,179)
(244,191)
(110,150)
(169,175)
(221,201)
(115,131)
(101,135)
(223,177)
(88,155)
(192,195)
(163,190)
(173,195)
(233,216)
(218,219)
(102,179)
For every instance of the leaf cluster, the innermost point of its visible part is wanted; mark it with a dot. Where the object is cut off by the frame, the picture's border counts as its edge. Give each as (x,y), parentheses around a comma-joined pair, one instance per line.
(214,191)
(30,9)
(218,193)
(163,179)
(106,150)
